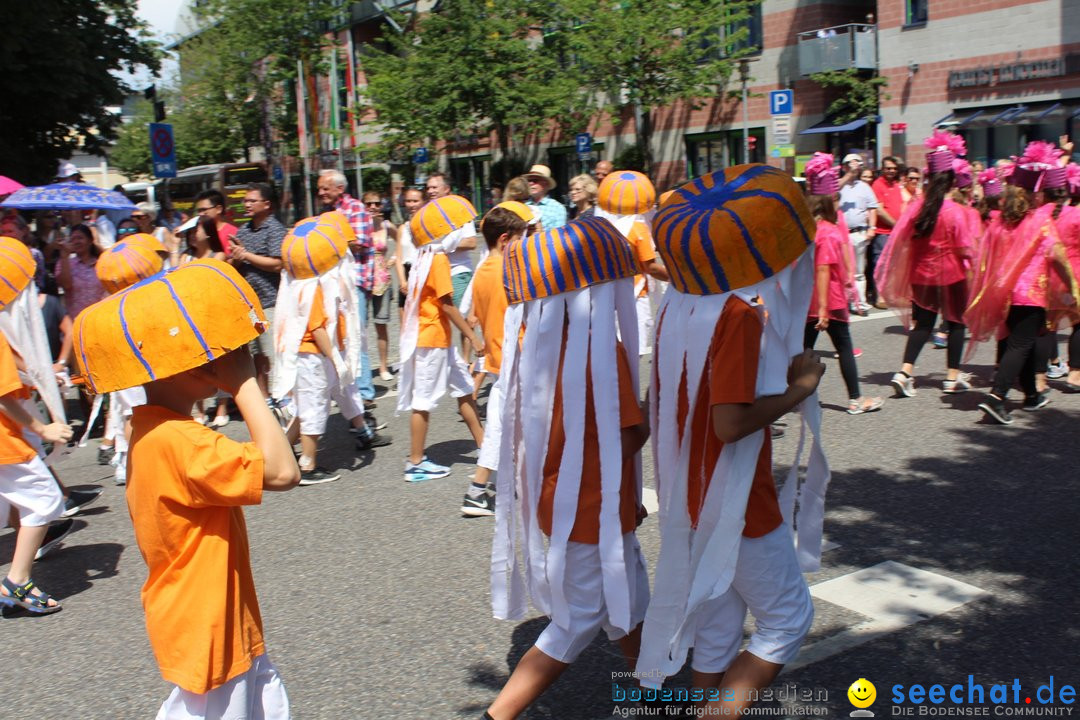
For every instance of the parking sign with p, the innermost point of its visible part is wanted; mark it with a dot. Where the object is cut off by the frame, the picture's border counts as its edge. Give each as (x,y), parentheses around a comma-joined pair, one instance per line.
(781,102)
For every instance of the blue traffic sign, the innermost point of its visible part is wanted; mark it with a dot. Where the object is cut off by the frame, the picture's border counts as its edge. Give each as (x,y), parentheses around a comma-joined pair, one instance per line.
(162,150)
(781,102)
(420,156)
(584,142)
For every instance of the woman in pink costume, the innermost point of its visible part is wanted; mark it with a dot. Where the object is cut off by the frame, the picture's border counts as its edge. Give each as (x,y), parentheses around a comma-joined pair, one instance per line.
(829,303)
(1012,288)
(1058,187)
(926,263)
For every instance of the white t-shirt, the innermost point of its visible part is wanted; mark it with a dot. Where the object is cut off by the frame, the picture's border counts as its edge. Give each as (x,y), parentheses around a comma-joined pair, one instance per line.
(461,260)
(406,251)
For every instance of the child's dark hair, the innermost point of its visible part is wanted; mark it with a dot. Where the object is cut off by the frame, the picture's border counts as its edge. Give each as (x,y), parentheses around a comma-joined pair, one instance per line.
(822,206)
(498,222)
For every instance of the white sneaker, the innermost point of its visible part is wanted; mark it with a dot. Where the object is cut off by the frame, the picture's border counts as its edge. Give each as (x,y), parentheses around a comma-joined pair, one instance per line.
(1057,371)
(904,384)
(962,383)
(386,376)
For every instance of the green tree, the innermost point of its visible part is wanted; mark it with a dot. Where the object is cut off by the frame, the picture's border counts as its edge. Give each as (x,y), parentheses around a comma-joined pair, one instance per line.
(856,96)
(131,152)
(60,61)
(642,55)
(472,67)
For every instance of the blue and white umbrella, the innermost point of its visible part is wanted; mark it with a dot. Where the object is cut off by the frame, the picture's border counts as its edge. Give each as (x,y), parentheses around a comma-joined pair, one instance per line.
(67,196)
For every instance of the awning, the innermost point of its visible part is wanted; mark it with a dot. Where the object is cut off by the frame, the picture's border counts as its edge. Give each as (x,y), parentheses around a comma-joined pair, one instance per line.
(1039,115)
(828,126)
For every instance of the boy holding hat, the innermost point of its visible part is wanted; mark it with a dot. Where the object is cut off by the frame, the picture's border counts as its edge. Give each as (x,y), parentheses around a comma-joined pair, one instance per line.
(728,362)
(183,335)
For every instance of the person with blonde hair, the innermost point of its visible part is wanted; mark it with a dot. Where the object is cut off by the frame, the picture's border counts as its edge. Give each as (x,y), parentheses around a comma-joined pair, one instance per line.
(583,191)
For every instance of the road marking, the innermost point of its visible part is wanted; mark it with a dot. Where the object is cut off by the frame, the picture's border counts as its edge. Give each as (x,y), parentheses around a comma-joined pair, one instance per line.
(893,596)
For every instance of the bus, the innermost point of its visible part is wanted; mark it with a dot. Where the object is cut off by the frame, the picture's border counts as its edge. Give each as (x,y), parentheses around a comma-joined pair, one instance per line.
(231,179)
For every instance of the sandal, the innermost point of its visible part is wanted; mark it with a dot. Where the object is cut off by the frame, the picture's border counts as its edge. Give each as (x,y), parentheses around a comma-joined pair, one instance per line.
(858,406)
(20,596)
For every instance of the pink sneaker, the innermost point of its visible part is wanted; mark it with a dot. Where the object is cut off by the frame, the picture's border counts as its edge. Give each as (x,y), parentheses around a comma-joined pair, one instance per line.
(857,352)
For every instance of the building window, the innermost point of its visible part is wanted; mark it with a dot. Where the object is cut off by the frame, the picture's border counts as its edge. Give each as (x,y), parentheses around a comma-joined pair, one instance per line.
(749,42)
(915,12)
(709,152)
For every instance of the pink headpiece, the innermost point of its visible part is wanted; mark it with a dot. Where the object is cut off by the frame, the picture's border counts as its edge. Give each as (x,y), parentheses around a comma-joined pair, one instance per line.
(991,185)
(1038,167)
(962,169)
(1072,176)
(822,175)
(944,147)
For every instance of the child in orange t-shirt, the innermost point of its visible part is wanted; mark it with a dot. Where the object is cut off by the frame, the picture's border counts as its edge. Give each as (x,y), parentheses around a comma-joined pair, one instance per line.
(188,483)
(499,227)
(572,400)
(430,363)
(27,485)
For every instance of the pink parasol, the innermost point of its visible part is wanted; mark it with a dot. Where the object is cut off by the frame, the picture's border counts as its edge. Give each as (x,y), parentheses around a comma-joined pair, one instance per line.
(8,186)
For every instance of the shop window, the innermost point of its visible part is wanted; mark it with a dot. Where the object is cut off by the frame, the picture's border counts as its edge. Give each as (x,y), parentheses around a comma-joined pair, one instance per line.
(709,152)
(915,12)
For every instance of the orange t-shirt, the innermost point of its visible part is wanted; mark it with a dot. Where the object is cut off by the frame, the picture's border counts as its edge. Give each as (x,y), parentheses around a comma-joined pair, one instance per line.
(730,377)
(317,319)
(186,486)
(640,240)
(434,325)
(587,522)
(13,446)
(489,304)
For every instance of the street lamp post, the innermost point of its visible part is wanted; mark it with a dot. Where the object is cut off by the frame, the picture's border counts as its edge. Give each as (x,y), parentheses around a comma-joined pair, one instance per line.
(744,75)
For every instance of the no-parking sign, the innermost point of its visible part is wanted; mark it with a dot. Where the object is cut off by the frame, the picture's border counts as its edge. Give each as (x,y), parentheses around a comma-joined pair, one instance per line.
(162,150)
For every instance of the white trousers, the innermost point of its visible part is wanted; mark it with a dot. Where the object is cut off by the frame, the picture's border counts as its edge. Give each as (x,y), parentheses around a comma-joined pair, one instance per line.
(257,694)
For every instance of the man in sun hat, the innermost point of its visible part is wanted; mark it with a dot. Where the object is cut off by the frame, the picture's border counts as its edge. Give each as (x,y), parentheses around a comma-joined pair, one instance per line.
(859,205)
(552,212)
(729,360)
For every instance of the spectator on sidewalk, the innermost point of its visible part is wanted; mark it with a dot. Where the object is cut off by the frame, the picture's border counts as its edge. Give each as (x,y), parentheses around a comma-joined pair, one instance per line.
(212,203)
(552,212)
(859,205)
(890,198)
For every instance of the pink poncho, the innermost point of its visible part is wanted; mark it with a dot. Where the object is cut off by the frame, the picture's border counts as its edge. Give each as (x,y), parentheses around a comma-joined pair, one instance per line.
(917,270)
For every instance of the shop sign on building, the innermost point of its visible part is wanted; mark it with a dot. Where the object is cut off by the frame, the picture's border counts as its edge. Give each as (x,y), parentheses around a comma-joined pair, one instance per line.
(1007,72)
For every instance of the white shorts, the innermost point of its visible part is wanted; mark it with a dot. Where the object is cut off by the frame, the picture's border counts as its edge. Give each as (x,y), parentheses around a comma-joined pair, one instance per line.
(32,489)
(257,694)
(768,582)
(489,449)
(435,369)
(121,405)
(585,596)
(316,384)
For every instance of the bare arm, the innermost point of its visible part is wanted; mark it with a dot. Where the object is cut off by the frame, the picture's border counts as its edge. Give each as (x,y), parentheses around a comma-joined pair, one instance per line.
(262,262)
(821,292)
(468,243)
(63,276)
(871,218)
(459,322)
(884,217)
(235,374)
(734,421)
(53,432)
(657,270)
(322,341)
(65,343)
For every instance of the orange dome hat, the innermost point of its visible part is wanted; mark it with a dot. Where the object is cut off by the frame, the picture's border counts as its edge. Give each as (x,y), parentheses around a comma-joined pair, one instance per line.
(581,253)
(17,268)
(316,244)
(166,325)
(439,218)
(626,192)
(522,210)
(146,240)
(125,264)
(732,229)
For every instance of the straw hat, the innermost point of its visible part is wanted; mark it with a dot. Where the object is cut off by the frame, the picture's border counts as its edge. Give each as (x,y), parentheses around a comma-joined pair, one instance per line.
(125,264)
(439,218)
(316,244)
(579,254)
(17,268)
(626,192)
(166,325)
(732,229)
(542,173)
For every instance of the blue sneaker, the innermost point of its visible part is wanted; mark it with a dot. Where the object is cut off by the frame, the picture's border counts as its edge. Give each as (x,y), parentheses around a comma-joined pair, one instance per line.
(424,470)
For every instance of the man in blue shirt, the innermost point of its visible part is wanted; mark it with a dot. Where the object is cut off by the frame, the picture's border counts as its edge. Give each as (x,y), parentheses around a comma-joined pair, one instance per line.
(552,212)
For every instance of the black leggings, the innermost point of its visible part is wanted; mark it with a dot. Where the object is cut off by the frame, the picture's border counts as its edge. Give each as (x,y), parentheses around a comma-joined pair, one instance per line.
(1018,361)
(920,333)
(840,334)
(1074,348)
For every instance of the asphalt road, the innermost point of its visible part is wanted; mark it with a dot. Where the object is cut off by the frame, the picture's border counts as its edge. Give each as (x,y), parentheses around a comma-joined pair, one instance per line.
(375,596)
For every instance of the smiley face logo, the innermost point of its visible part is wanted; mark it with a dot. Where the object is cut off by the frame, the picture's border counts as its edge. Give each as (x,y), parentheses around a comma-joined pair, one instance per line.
(862,693)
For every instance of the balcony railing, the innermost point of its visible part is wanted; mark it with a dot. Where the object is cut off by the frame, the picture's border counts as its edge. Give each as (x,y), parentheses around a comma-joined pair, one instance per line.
(841,47)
